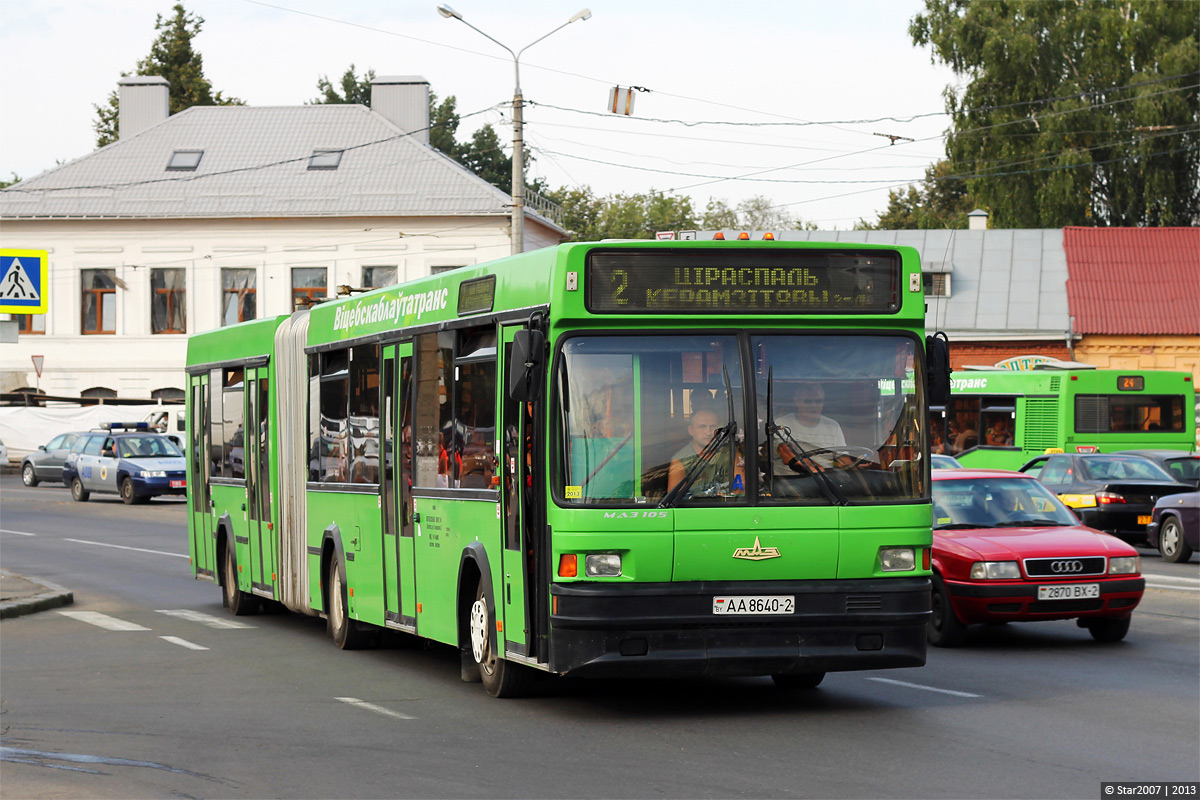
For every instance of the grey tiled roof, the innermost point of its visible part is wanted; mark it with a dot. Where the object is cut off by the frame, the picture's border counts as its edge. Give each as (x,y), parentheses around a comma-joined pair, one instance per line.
(255,164)
(1006,283)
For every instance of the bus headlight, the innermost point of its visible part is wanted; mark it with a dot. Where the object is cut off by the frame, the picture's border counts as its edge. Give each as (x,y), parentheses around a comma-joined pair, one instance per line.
(602,565)
(897,559)
(995,570)
(1125,565)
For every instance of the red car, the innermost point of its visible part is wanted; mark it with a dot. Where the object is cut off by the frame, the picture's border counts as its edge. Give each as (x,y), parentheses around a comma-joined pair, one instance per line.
(1005,549)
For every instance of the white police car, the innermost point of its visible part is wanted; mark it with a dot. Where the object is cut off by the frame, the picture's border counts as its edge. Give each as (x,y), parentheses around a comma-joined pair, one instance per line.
(125,458)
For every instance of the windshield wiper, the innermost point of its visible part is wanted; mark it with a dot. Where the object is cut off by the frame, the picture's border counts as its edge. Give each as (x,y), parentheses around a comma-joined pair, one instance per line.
(727,432)
(958,526)
(1028,523)
(804,459)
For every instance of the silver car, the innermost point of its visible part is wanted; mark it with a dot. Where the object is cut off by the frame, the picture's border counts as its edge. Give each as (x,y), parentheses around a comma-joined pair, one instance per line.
(46,463)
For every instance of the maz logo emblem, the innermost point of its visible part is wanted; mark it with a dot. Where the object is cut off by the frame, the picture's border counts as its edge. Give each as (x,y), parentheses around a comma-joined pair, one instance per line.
(757,553)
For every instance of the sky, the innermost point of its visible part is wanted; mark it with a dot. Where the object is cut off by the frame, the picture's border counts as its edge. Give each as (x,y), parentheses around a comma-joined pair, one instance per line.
(810,83)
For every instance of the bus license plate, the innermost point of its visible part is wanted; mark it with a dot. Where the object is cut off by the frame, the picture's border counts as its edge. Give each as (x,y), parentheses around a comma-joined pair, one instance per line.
(755,604)
(178,484)
(1070,591)
(1145,519)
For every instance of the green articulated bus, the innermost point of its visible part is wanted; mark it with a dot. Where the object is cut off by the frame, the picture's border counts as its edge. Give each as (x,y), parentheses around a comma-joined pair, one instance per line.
(1002,418)
(596,459)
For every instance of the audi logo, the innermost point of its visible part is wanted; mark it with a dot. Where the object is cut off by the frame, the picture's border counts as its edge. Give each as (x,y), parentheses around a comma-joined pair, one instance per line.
(1063,567)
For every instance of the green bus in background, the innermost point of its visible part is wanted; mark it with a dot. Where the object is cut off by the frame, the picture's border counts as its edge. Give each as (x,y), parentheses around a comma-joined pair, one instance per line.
(1002,418)
(596,459)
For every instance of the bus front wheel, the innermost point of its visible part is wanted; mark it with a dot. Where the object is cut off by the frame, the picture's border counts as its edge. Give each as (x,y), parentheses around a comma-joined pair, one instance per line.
(345,631)
(500,678)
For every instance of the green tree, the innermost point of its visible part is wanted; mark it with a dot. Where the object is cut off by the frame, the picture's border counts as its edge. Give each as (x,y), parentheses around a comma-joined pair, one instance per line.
(172,57)
(758,213)
(1075,112)
(4,184)
(354,89)
(942,201)
(622,216)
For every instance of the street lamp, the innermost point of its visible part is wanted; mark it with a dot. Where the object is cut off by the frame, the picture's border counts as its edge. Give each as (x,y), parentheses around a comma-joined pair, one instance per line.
(518,159)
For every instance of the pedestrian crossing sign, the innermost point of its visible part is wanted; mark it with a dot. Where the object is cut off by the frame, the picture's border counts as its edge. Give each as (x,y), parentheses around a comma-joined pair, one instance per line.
(24,281)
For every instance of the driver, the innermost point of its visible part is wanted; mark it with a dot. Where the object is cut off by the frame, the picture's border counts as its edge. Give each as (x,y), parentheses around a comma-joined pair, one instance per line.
(810,428)
(702,427)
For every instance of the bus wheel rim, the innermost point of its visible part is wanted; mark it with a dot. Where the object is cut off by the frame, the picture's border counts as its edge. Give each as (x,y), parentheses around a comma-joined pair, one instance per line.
(479,631)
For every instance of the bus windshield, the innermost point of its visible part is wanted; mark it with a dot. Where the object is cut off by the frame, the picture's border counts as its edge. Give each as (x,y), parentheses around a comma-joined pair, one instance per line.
(661,419)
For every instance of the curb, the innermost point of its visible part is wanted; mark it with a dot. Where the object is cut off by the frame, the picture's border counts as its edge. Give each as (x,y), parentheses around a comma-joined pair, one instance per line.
(55,597)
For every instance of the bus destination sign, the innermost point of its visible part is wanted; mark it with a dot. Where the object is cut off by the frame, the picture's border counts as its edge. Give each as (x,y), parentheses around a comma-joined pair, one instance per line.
(743,282)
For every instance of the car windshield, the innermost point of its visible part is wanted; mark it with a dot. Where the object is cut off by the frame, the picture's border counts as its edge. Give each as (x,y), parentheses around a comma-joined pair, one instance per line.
(146,447)
(996,503)
(661,419)
(939,461)
(1122,468)
(1185,470)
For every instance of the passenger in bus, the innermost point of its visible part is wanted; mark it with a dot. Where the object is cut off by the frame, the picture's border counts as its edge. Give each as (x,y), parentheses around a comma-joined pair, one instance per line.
(999,435)
(716,474)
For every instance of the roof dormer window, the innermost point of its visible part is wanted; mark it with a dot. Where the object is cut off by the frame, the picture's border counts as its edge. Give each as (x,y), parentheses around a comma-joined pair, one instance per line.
(325,159)
(185,160)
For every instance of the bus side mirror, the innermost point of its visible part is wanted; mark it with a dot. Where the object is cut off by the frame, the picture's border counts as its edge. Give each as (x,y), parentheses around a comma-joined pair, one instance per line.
(937,360)
(525,365)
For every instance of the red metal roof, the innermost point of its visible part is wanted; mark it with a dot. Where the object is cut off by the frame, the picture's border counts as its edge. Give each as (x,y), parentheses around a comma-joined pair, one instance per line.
(1133,280)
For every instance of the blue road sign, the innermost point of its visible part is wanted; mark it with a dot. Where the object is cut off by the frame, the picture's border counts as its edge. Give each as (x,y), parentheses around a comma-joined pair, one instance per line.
(24,281)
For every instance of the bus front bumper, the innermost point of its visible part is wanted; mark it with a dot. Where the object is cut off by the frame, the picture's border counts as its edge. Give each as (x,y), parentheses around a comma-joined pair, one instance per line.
(670,630)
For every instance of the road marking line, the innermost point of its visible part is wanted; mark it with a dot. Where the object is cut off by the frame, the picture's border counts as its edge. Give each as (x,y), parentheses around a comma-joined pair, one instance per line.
(387,712)
(17,533)
(124,547)
(183,643)
(926,688)
(204,619)
(1170,578)
(1172,588)
(103,621)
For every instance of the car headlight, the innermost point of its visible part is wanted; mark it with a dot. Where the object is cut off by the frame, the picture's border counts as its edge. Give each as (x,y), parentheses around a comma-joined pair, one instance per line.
(1125,565)
(995,570)
(602,565)
(897,559)
(153,473)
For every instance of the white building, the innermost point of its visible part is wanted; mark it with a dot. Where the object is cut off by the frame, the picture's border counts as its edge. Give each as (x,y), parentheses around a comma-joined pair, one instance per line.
(219,214)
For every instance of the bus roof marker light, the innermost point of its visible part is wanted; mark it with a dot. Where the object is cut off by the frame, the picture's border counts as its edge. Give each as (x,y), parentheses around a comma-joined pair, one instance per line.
(768,236)
(718,236)
(743,236)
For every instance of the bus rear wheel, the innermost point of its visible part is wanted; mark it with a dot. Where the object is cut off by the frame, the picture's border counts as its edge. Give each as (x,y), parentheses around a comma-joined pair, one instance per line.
(345,631)
(238,602)
(500,678)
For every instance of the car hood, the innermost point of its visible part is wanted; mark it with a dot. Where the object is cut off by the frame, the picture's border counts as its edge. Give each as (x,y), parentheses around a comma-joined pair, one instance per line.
(167,464)
(1009,544)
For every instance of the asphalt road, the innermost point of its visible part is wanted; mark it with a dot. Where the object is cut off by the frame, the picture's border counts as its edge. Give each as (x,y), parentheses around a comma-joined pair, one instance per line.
(188,705)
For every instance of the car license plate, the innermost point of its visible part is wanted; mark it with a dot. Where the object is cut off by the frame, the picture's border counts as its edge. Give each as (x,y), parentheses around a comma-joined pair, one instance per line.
(178,484)
(1069,591)
(1145,519)
(755,604)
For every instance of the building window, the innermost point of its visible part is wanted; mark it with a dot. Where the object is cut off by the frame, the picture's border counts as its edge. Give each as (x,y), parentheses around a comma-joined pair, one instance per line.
(238,295)
(438,269)
(185,160)
(31,323)
(308,285)
(101,392)
(168,301)
(936,284)
(376,277)
(99,301)
(168,394)
(325,159)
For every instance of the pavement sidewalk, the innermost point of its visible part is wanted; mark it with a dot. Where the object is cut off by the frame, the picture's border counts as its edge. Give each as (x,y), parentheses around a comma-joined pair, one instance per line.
(21,595)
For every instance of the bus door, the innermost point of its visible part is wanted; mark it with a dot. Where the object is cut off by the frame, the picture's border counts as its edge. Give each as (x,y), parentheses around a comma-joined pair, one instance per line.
(255,454)
(518,497)
(396,505)
(199,492)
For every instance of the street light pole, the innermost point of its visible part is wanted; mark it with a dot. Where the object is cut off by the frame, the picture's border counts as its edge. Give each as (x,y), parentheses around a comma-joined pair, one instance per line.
(518,119)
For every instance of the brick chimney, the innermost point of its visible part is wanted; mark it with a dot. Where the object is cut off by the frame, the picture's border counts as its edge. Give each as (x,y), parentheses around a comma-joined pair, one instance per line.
(143,100)
(404,101)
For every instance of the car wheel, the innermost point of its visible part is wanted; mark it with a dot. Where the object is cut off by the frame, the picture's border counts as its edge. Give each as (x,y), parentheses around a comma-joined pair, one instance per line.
(500,678)
(28,476)
(78,493)
(1107,629)
(345,631)
(128,497)
(944,629)
(238,602)
(1171,543)
(798,681)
